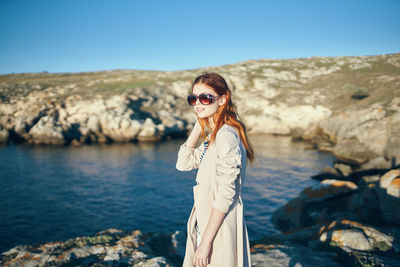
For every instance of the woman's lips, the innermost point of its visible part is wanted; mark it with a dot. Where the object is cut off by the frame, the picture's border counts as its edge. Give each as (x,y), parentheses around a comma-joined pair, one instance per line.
(200,109)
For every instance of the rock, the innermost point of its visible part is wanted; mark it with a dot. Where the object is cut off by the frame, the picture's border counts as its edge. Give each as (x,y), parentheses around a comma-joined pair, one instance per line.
(310,133)
(119,129)
(392,149)
(394,188)
(356,236)
(290,254)
(4,134)
(275,96)
(154,262)
(47,132)
(361,134)
(388,177)
(344,168)
(327,189)
(376,163)
(290,216)
(112,247)
(351,151)
(323,145)
(316,204)
(352,238)
(365,204)
(94,124)
(368,179)
(149,131)
(330,172)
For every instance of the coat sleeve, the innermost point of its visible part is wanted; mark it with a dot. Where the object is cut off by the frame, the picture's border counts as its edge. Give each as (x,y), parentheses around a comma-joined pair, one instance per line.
(189,157)
(228,168)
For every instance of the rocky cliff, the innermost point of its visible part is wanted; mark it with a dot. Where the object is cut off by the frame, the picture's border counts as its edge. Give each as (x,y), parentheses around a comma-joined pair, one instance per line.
(337,102)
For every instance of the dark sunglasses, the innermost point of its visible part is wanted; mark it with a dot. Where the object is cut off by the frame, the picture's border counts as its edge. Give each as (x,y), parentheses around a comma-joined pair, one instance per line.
(205,99)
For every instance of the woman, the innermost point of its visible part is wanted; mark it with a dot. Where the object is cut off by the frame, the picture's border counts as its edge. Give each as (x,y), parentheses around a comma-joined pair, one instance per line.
(216,229)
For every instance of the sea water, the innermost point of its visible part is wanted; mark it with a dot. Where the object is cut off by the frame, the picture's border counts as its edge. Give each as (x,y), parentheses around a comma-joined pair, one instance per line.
(50,193)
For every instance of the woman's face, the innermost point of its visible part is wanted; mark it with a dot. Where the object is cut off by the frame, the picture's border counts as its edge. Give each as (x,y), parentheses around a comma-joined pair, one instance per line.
(205,111)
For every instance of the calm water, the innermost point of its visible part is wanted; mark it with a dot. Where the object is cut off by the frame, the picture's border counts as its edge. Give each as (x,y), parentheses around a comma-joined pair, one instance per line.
(55,193)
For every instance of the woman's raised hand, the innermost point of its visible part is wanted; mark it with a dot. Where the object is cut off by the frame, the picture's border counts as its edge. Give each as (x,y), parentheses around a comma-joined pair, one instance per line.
(194,135)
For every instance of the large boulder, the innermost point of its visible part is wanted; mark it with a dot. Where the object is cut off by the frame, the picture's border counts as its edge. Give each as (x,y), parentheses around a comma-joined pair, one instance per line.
(351,151)
(355,236)
(316,204)
(327,189)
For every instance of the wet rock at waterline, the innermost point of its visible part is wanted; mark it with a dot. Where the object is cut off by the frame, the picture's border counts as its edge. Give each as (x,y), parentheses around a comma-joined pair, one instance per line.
(112,247)
(360,221)
(358,136)
(291,254)
(77,121)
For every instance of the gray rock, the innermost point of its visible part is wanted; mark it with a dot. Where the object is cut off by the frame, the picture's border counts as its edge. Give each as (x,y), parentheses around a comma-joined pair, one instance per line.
(47,132)
(291,255)
(351,151)
(355,236)
(149,131)
(376,163)
(351,238)
(344,168)
(111,247)
(392,149)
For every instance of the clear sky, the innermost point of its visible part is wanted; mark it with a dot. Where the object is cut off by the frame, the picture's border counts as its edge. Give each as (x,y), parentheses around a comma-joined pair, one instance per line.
(89,35)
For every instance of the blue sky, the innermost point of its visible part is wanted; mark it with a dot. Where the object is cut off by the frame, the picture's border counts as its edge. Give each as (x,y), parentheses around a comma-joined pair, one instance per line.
(79,35)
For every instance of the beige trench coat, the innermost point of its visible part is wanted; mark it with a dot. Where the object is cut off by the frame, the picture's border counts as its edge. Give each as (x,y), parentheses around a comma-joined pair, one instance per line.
(219,183)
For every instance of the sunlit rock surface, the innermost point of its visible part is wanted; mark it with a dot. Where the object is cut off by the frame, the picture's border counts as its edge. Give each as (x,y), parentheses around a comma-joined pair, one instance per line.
(358,220)
(348,105)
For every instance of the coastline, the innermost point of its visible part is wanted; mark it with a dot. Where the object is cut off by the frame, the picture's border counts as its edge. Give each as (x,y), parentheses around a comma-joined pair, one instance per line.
(347,106)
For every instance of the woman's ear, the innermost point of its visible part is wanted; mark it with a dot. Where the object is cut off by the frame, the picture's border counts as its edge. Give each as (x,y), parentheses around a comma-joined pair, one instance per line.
(222,100)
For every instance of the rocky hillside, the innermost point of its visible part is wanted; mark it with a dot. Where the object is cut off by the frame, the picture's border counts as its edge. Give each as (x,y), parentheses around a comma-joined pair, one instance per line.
(337,102)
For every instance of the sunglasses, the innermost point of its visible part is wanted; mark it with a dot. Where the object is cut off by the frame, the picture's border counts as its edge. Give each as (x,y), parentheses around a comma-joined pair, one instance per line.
(205,99)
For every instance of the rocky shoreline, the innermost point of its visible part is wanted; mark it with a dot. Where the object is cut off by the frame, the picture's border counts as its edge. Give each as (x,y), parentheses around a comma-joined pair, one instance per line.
(339,222)
(349,106)
(357,222)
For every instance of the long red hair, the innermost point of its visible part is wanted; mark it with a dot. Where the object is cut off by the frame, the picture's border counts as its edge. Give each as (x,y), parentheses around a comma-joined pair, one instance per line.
(226,113)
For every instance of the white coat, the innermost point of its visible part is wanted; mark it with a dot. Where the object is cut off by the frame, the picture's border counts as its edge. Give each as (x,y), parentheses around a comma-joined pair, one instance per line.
(219,180)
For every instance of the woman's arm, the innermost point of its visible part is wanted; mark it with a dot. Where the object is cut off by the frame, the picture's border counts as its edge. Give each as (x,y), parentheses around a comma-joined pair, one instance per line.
(188,156)
(201,256)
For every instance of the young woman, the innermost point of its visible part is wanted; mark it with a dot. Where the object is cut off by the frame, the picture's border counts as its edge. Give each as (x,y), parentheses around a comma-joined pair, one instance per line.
(216,229)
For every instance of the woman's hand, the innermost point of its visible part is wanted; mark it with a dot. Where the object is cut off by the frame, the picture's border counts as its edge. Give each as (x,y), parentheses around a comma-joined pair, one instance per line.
(194,135)
(201,256)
